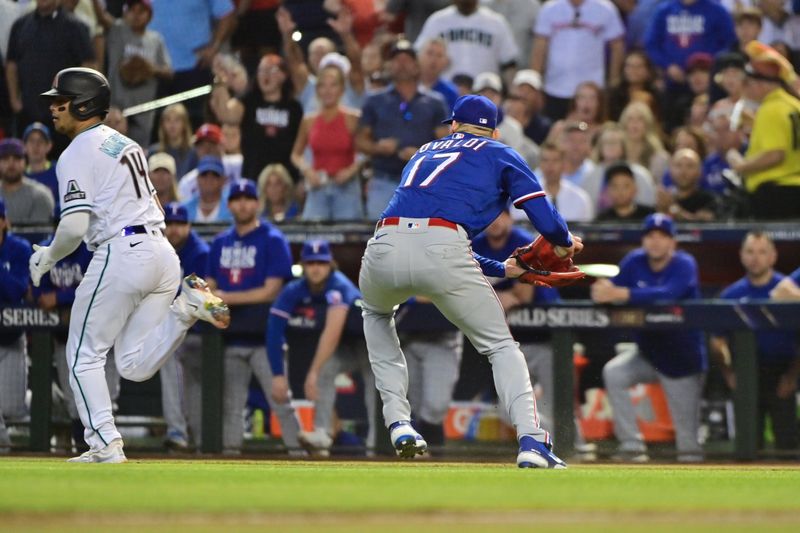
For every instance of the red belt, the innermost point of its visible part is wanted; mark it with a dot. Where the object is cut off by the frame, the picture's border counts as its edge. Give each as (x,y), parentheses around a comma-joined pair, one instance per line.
(394,221)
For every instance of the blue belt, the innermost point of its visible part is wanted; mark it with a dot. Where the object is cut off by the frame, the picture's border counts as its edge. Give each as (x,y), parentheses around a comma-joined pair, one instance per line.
(132,230)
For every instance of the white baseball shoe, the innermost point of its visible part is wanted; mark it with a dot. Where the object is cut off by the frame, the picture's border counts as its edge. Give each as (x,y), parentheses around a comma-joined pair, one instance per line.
(112,453)
(197,301)
(317,442)
(406,441)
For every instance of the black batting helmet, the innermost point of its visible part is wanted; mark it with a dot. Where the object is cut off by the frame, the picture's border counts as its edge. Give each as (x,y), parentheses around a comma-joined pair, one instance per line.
(86,88)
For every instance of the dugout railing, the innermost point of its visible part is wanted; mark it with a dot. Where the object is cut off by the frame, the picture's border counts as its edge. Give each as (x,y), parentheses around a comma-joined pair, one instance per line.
(563,321)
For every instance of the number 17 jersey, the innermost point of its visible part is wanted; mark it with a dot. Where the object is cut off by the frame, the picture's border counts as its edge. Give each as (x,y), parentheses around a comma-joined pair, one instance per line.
(105,173)
(466,179)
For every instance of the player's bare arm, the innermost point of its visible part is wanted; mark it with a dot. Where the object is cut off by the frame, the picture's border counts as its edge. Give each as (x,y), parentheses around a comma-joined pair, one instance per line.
(261,295)
(786,290)
(335,319)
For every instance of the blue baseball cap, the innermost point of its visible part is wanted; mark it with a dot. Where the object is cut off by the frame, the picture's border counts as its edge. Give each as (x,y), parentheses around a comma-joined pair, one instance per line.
(36,126)
(659,221)
(211,163)
(243,187)
(175,212)
(316,250)
(2,208)
(12,147)
(476,110)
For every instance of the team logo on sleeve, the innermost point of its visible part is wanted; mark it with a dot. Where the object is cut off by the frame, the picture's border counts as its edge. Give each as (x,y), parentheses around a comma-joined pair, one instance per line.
(74,192)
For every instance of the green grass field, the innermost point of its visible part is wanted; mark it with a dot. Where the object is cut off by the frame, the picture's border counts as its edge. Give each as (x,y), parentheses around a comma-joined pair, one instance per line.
(201,495)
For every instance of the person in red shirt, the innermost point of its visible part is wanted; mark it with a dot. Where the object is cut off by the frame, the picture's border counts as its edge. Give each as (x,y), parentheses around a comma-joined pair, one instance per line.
(333,190)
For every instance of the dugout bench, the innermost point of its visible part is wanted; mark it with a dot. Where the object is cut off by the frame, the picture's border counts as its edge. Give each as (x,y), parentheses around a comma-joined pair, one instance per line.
(564,321)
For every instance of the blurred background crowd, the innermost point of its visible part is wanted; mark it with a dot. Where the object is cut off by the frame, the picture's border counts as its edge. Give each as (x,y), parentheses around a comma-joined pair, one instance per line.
(320,103)
(309,110)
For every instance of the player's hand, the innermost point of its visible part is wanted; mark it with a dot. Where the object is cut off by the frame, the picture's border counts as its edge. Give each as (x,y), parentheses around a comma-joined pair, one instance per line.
(576,248)
(280,389)
(47,301)
(785,290)
(39,263)
(386,147)
(310,386)
(603,291)
(787,384)
(407,153)
(513,270)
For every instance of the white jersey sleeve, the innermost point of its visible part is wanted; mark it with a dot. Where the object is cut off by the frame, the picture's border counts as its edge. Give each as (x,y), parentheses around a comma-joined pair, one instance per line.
(76,186)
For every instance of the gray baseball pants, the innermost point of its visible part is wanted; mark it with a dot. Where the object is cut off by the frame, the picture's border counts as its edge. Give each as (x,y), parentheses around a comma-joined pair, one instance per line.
(181,389)
(178,395)
(683,398)
(433,365)
(412,259)
(350,356)
(539,357)
(242,362)
(13,385)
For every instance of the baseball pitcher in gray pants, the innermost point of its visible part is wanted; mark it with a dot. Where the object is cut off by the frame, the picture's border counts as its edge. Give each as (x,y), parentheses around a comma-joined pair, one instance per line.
(436,262)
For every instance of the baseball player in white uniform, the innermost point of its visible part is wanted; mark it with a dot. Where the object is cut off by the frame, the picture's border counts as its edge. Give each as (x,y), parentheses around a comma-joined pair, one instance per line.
(124,299)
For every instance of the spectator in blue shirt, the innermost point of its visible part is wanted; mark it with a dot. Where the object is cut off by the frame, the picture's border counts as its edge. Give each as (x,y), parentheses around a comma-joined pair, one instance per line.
(14,255)
(394,123)
(247,266)
(680,28)
(323,295)
(778,359)
(656,272)
(194,31)
(38,143)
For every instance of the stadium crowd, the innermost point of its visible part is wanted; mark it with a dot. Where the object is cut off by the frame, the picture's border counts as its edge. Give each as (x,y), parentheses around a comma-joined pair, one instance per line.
(687,109)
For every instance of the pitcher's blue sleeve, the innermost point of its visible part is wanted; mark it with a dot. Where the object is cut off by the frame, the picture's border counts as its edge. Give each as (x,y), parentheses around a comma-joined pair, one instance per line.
(490,267)
(275,338)
(547,221)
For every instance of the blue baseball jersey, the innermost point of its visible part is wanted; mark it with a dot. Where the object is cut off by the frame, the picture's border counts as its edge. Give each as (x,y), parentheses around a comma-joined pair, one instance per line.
(795,276)
(673,353)
(297,306)
(773,346)
(518,237)
(469,180)
(242,262)
(193,255)
(66,275)
(14,275)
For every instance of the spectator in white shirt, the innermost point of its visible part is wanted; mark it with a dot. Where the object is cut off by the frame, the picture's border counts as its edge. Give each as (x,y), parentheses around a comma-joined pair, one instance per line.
(569,46)
(478,39)
(571,201)
(576,142)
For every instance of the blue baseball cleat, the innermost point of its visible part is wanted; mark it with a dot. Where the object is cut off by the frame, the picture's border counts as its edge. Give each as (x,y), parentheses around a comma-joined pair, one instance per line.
(535,454)
(406,440)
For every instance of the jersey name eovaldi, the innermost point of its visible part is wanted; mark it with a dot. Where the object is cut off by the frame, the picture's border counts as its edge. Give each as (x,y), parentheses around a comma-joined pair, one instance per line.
(105,173)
